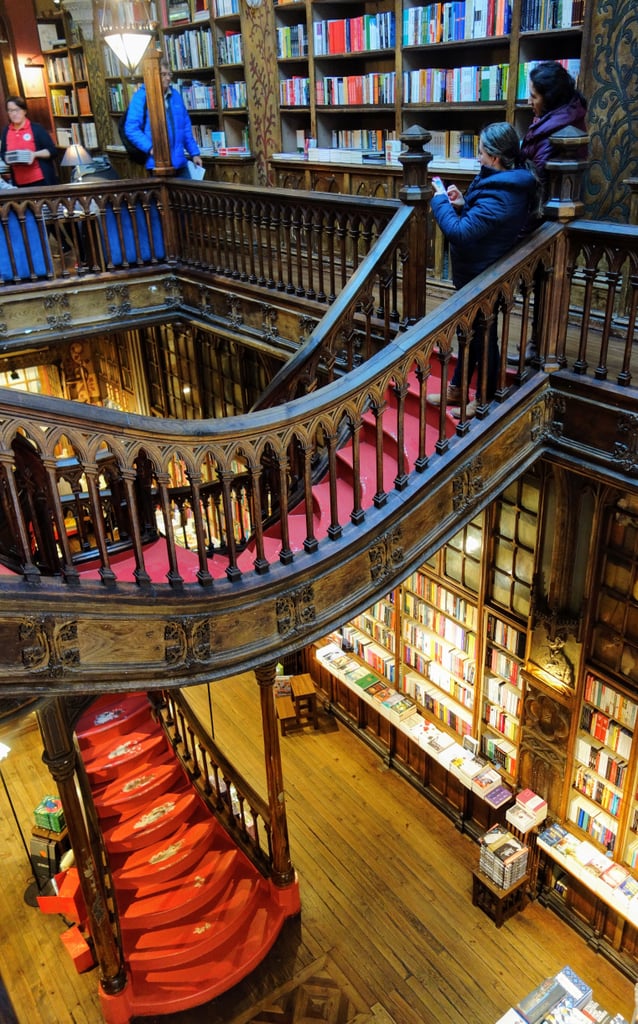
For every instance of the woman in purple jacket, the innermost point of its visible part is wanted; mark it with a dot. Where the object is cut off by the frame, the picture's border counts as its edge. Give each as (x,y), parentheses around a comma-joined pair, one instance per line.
(556,103)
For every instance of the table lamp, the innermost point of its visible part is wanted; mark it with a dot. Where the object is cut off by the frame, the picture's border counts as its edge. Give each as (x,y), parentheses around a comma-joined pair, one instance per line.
(76,156)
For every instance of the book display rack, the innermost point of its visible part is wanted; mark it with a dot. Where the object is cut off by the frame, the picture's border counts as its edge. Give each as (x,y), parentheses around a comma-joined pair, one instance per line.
(68,85)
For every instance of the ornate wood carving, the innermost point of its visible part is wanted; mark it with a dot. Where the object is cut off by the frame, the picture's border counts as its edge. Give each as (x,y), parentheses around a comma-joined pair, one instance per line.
(543,750)
(295,610)
(44,645)
(468,485)
(547,417)
(387,555)
(187,641)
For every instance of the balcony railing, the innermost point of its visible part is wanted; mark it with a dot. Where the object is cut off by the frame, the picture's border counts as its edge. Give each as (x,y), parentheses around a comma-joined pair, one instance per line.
(571,291)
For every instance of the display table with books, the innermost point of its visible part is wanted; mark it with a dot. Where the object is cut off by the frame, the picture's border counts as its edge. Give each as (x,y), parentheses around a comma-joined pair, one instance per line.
(562,999)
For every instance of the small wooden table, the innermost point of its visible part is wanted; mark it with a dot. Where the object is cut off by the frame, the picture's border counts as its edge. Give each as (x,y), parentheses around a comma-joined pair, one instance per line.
(304,696)
(498,903)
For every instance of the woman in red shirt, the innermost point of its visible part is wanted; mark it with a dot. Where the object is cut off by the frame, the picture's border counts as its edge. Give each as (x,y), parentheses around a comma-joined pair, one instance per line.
(31,139)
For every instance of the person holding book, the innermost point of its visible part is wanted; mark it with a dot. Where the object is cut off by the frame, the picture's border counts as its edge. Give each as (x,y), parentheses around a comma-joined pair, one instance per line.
(35,152)
(181,140)
(482,227)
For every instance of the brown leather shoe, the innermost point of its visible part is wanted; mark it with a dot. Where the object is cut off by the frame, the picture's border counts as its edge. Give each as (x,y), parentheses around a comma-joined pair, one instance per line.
(470,411)
(453,396)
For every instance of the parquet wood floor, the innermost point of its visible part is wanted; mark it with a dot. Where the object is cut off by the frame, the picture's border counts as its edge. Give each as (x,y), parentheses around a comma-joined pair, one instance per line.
(387,933)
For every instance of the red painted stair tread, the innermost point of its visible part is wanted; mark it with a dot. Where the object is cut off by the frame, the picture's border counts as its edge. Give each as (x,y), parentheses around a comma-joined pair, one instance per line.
(175,855)
(204,979)
(111,714)
(124,796)
(163,904)
(135,749)
(154,823)
(191,937)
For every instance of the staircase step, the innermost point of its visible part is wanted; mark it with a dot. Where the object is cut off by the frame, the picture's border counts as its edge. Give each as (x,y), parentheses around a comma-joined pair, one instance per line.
(124,797)
(136,749)
(184,987)
(158,905)
(158,820)
(113,715)
(200,933)
(176,855)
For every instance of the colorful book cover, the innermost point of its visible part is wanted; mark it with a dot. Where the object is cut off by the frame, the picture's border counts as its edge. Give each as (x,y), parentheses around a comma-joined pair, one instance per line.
(499,796)
(553,834)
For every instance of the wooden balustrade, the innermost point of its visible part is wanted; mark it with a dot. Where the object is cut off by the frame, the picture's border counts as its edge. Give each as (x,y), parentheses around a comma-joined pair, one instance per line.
(241,471)
(243,813)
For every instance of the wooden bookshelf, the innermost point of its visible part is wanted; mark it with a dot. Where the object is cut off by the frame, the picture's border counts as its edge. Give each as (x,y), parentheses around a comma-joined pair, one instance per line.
(67,83)
(601,775)
(370,70)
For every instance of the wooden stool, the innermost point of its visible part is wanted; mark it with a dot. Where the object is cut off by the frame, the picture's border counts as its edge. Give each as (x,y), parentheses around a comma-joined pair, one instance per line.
(497,903)
(304,696)
(286,712)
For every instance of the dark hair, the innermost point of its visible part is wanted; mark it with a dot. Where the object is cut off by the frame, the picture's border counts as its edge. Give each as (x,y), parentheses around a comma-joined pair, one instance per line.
(554,85)
(18,101)
(501,140)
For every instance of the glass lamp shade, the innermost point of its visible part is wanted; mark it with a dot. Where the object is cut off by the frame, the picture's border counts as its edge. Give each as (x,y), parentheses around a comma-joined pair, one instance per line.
(128,44)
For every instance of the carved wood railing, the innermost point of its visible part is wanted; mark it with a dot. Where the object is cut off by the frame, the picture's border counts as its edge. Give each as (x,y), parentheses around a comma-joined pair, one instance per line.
(257,446)
(242,812)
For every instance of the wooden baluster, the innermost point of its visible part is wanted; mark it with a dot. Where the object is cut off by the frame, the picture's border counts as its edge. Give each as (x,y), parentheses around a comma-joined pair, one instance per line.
(380,496)
(357,515)
(142,577)
(14,515)
(310,543)
(422,375)
(173,574)
(227,477)
(203,573)
(285,555)
(91,473)
(70,573)
(260,562)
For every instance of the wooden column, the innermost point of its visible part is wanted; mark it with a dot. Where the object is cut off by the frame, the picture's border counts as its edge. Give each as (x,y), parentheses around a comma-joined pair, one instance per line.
(60,757)
(157,114)
(283,871)
(415,192)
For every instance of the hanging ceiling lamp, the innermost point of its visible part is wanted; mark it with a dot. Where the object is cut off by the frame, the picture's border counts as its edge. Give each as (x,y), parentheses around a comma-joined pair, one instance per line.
(128,29)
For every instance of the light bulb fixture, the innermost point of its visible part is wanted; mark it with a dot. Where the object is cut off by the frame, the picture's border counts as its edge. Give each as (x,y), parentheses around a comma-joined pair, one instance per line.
(76,156)
(128,29)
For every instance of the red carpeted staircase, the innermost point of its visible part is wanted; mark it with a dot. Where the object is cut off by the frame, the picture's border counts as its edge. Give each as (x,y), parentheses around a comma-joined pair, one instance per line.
(155,556)
(195,915)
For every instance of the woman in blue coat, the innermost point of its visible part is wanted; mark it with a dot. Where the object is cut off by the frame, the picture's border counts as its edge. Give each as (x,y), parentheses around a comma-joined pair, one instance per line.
(181,141)
(481,227)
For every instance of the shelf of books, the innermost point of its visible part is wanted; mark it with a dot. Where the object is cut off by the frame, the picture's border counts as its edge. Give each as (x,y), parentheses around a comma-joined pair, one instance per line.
(601,782)
(372,636)
(439,647)
(366,74)
(502,692)
(67,79)
(573,857)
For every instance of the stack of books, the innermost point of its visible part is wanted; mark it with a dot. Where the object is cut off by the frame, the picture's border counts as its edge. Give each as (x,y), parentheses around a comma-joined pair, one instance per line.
(557,1000)
(529,810)
(503,858)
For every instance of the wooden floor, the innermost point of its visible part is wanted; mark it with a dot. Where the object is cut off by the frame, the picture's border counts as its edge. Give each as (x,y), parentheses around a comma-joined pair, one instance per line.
(387,932)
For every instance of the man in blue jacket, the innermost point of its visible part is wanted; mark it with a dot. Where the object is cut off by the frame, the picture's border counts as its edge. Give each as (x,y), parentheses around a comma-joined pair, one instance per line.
(181,142)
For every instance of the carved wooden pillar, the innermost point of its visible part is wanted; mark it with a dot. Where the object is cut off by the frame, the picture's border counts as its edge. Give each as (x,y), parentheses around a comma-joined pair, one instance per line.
(283,871)
(157,114)
(203,574)
(140,573)
(93,487)
(71,574)
(415,192)
(60,758)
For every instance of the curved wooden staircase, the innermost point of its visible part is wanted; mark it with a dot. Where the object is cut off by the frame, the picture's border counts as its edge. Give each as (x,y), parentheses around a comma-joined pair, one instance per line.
(195,915)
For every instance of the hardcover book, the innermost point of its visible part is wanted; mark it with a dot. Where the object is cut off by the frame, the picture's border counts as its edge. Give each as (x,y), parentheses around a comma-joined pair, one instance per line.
(499,796)
(553,834)
(535,1006)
